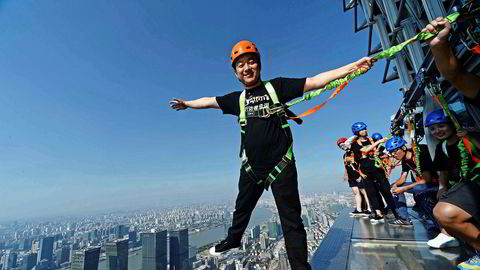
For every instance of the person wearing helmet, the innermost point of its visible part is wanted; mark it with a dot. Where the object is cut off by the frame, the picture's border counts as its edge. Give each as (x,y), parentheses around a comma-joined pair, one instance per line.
(424,187)
(458,207)
(364,148)
(448,65)
(266,144)
(354,176)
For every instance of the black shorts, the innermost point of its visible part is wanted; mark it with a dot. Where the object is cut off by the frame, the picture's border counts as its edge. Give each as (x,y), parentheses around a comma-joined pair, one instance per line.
(354,183)
(464,195)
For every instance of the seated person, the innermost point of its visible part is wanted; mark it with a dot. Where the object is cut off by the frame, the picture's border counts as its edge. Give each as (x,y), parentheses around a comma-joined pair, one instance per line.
(458,209)
(424,187)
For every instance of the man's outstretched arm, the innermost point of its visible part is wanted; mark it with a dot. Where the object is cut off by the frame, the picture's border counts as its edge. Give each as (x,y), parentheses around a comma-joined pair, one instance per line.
(201,103)
(324,78)
(447,63)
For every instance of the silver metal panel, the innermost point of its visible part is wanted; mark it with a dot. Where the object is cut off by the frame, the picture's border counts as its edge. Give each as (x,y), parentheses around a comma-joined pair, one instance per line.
(433,8)
(415,51)
(381,29)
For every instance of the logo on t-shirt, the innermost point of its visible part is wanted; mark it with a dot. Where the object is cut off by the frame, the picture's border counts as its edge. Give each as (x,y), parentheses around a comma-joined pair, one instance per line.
(255,104)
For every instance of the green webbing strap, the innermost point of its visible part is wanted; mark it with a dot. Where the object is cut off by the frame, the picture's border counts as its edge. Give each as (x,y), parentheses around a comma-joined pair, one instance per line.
(271,92)
(286,159)
(277,170)
(464,154)
(390,52)
(242,119)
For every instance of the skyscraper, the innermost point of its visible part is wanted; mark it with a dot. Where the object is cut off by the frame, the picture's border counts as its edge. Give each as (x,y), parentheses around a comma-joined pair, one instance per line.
(10,260)
(85,259)
(282,261)
(179,250)
(132,238)
(263,241)
(273,230)
(121,231)
(255,232)
(46,249)
(29,261)
(117,254)
(62,255)
(154,250)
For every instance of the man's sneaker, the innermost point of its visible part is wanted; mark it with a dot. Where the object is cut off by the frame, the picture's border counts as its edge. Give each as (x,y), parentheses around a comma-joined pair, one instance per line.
(366,212)
(472,263)
(442,241)
(400,222)
(222,247)
(356,213)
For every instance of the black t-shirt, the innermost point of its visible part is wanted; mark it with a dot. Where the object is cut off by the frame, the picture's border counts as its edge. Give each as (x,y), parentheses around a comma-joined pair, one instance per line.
(265,140)
(351,167)
(367,164)
(452,163)
(475,101)
(426,163)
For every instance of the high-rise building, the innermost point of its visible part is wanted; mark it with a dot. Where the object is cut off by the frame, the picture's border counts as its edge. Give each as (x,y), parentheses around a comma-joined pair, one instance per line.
(282,261)
(255,232)
(121,231)
(132,238)
(192,254)
(25,244)
(178,243)
(154,250)
(62,255)
(273,230)
(85,259)
(46,249)
(245,243)
(306,221)
(29,261)
(263,241)
(9,260)
(117,254)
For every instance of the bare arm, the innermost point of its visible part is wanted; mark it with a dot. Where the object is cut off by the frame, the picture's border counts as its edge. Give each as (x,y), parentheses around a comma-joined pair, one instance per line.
(370,147)
(324,78)
(447,63)
(401,180)
(201,103)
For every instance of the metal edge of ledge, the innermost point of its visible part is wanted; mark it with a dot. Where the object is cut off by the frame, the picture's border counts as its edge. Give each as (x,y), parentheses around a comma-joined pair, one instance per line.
(332,254)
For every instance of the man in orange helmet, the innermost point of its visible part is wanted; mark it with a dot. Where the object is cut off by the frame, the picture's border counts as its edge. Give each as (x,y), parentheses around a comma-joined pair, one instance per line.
(266,147)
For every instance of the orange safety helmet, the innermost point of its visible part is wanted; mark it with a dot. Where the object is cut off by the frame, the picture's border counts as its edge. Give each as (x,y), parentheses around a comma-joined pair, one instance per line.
(242,47)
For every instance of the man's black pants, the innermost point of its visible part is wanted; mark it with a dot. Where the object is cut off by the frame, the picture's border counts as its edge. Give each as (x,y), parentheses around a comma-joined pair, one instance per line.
(287,199)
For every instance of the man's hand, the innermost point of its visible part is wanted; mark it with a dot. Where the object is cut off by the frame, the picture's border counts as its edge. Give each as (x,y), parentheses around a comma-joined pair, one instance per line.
(443,27)
(178,104)
(363,64)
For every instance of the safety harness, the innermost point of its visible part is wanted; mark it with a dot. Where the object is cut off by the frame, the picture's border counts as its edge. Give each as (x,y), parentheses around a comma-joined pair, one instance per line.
(278,110)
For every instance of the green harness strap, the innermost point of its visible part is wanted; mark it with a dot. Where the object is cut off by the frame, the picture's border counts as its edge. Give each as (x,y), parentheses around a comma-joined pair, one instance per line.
(277,109)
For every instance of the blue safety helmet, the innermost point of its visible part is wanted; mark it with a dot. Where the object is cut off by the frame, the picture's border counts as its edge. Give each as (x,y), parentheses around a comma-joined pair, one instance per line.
(356,127)
(394,143)
(436,117)
(377,136)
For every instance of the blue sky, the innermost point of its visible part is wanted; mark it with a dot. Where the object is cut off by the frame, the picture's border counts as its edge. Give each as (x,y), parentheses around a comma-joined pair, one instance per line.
(84,115)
